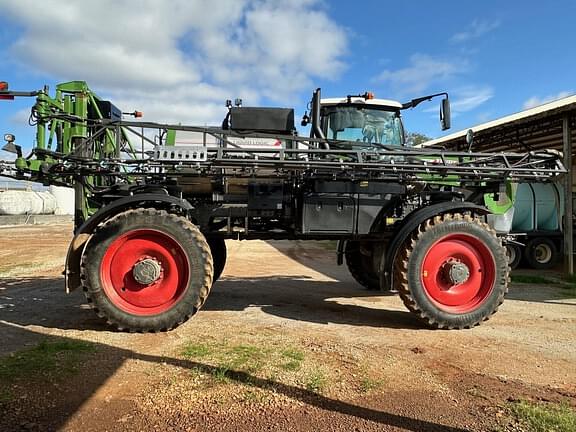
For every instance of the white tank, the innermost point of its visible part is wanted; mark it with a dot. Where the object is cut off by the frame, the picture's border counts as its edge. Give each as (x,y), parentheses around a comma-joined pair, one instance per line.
(26,202)
(64,200)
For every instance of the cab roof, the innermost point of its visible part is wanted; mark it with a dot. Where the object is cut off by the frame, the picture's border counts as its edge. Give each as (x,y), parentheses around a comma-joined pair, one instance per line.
(361,101)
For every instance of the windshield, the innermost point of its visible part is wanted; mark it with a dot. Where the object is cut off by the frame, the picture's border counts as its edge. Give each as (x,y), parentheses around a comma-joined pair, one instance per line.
(363,125)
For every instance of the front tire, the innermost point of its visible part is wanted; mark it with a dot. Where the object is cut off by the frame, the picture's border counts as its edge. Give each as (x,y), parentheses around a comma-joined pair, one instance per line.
(147,270)
(452,272)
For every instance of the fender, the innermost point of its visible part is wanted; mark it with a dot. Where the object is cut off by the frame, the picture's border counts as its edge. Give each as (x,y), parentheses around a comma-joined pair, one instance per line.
(410,223)
(85,231)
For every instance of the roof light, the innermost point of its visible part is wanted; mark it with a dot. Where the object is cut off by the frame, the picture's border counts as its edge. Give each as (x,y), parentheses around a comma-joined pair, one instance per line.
(368,95)
(135,114)
(3,86)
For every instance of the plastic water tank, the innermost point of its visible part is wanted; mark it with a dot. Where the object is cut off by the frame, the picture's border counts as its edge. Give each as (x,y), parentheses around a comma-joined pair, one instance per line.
(539,206)
(524,205)
(64,200)
(27,202)
(549,206)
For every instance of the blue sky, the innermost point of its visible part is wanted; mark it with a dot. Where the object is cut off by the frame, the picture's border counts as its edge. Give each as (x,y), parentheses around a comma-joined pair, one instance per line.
(181,63)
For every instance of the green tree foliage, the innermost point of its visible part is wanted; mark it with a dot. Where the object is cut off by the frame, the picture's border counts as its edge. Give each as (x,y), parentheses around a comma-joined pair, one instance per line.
(415,138)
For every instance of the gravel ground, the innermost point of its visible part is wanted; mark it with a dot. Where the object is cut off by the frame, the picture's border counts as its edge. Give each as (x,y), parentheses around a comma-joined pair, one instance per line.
(286,341)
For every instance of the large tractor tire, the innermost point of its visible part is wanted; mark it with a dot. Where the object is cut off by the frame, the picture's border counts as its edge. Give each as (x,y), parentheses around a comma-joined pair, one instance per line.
(219,255)
(452,272)
(541,253)
(514,254)
(147,270)
(358,256)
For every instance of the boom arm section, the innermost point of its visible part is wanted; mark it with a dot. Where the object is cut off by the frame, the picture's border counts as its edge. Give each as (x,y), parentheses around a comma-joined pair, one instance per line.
(82,142)
(218,149)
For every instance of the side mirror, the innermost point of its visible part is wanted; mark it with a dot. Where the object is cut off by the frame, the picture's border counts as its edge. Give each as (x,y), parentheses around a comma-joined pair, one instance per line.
(445,114)
(470,139)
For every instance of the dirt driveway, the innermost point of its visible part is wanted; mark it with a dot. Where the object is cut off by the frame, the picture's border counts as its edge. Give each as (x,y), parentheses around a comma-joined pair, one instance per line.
(286,341)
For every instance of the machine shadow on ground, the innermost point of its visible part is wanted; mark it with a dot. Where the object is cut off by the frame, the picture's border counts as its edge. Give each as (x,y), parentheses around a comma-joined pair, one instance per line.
(43,302)
(301,298)
(320,256)
(551,294)
(53,412)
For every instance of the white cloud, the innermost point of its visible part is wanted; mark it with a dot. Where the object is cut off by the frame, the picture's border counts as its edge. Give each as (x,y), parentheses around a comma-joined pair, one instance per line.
(465,99)
(180,61)
(422,73)
(471,97)
(20,117)
(477,29)
(536,100)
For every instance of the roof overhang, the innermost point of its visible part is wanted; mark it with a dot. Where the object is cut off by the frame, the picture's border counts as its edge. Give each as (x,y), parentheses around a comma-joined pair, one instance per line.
(532,129)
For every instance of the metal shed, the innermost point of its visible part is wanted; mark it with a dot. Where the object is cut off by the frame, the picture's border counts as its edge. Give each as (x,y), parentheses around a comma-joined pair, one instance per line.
(548,126)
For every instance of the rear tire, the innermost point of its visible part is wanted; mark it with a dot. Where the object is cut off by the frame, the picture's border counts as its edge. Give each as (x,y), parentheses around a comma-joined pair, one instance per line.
(219,255)
(452,272)
(514,254)
(359,261)
(147,270)
(541,253)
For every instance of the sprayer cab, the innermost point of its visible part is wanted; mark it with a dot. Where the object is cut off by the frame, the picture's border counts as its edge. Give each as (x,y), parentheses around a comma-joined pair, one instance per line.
(363,119)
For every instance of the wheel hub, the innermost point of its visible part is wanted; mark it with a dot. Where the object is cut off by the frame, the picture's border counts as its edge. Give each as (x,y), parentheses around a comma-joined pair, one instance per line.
(147,271)
(543,253)
(457,272)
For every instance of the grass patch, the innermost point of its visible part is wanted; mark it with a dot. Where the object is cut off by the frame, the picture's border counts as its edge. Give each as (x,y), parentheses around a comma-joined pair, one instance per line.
(544,417)
(292,359)
(195,350)
(316,381)
(247,358)
(368,384)
(224,359)
(531,279)
(571,279)
(45,358)
(258,364)
(221,374)
(251,359)
(568,293)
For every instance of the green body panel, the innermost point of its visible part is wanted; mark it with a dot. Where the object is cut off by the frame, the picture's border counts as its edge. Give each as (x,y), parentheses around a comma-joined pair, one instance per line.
(79,130)
(502,205)
(62,123)
(505,200)
(21,163)
(66,125)
(170,137)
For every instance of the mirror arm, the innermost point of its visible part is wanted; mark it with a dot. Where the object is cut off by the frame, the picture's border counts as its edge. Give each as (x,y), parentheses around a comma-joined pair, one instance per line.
(415,102)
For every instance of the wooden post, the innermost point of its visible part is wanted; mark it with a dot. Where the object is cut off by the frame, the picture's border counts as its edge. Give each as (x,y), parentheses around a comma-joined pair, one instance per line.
(568,231)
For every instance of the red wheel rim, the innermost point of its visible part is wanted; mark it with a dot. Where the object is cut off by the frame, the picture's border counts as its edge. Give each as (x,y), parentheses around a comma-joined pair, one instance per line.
(460,250)
(117,272)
